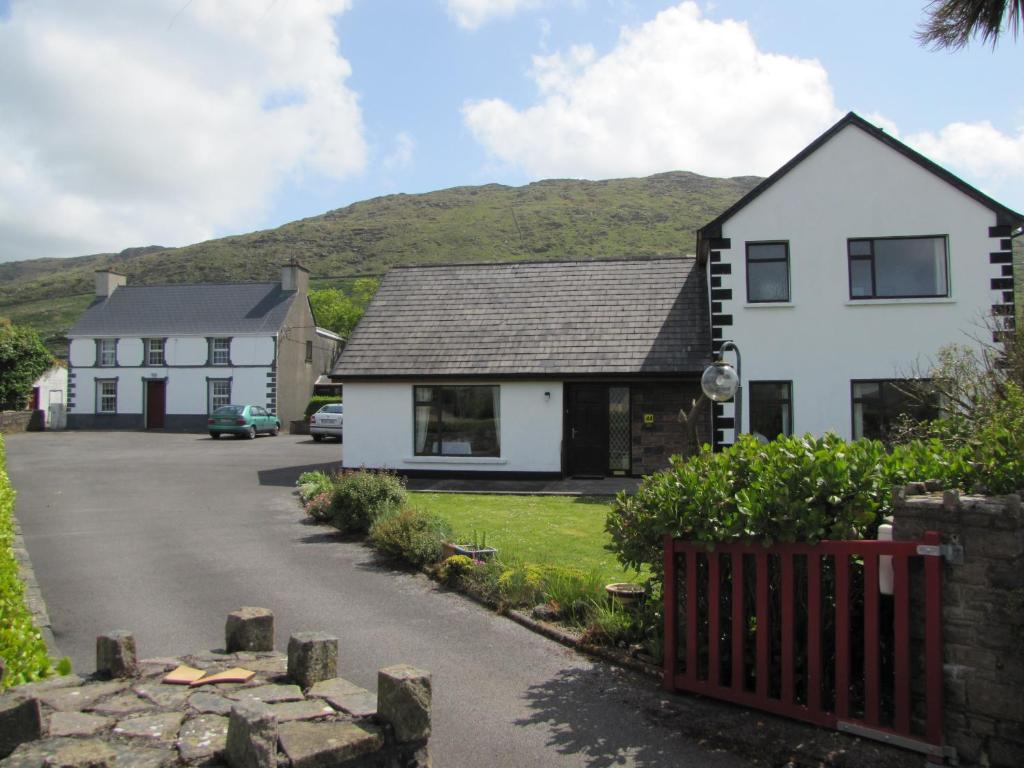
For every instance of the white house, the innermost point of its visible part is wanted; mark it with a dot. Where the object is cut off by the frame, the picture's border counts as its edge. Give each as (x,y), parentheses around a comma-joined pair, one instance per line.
(49,395)
(846,270)
(527,369)
(164,356)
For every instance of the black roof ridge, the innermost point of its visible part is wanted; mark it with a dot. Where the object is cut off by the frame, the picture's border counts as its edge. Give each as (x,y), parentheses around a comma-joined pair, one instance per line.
(1004,215)
(615,260)
(194,285)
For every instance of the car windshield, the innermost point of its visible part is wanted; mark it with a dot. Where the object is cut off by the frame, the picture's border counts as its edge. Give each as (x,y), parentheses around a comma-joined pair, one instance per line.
(229,410)
(331,409)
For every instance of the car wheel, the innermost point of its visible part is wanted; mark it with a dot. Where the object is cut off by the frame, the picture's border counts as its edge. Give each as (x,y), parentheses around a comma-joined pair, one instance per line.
(250,434)
(317,438)
(276,430)
(215,435)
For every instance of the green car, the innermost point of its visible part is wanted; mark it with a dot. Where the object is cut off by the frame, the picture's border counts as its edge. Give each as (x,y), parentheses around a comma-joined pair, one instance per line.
(242,421)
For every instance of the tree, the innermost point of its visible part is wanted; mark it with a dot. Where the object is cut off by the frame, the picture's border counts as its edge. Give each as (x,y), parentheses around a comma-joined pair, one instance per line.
(952,23)
(339,312)
(23,359)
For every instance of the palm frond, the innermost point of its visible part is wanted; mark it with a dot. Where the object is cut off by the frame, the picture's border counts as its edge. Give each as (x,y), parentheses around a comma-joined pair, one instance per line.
(953,23)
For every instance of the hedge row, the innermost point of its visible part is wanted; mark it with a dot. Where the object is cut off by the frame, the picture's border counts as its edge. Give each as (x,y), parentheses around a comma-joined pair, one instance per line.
(21,645)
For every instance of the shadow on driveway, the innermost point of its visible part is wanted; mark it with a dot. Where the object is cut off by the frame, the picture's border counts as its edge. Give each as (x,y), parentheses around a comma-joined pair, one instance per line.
(285,477)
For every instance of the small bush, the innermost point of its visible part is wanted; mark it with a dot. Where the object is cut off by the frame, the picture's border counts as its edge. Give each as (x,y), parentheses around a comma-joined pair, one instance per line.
(312,484)
(410,534)
(359,498)
(574,591)
(320,507)
(610,624)
(454,568)
(319,401)
(522,584)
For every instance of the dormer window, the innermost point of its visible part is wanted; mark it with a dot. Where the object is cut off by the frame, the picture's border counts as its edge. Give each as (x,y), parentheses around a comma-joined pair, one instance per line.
(155,352)
(220,351)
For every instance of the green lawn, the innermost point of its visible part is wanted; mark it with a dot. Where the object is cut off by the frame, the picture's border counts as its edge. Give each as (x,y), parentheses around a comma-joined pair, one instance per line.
(563,530)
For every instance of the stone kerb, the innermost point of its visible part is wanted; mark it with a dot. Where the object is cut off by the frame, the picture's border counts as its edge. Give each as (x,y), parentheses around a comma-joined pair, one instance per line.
(125,715)
(982,618)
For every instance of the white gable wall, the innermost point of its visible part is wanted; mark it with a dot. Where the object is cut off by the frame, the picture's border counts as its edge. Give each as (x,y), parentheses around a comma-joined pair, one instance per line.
(852,186)
(379,429)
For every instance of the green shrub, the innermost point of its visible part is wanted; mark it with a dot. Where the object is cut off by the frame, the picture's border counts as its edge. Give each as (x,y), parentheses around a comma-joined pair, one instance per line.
(454,568)
(320,507)
(410,534)
(319,401)
(573,591)
(610,624)
(312,484)
(359,498)
(21,645)
(522,584)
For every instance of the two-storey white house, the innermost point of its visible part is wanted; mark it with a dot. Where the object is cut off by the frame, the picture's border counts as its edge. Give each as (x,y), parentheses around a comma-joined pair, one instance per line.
(844,272)
(164,356)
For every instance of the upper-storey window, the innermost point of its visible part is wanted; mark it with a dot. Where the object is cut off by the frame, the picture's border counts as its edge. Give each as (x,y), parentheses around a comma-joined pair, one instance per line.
(898,267)
(220,351)
(106,353)
(154,352)
(767,272)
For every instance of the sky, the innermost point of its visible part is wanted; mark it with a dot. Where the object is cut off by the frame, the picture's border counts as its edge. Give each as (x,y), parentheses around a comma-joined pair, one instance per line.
(135,122)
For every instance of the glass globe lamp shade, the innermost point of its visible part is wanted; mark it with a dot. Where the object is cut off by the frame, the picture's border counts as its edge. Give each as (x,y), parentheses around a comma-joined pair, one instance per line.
(719,381)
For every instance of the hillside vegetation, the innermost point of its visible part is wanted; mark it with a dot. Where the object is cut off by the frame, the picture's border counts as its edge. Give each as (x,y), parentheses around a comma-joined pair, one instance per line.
(557,219)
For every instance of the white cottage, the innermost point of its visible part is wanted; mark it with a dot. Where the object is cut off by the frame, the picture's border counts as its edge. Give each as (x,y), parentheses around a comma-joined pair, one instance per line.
(844,272)
(164,356)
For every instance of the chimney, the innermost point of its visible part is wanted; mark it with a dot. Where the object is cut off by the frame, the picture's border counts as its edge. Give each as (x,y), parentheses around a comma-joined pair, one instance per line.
(107,281)
(294,277)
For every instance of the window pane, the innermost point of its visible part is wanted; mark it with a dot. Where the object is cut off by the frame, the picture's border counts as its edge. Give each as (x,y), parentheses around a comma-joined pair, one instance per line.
(456,421)
(761,251)
(221,352)
(108,352)
(620,441)
(911,267)
(861,283)
(770,408)
(769,281)
(860,247)
(877,406)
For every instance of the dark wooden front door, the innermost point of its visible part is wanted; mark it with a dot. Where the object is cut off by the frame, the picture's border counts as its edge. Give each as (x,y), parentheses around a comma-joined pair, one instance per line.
(156,404)
(587,430)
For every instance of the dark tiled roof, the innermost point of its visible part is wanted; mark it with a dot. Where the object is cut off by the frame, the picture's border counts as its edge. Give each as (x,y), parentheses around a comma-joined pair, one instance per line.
(536,318)
(201,309)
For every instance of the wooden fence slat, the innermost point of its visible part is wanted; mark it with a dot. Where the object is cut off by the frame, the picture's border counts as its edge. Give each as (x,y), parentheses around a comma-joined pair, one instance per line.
(692,591)
(762,624)
(901,643)
(788,622)
(714,633)
(669,649)
(871,640)
(739,623)
(842,602)
(814,632)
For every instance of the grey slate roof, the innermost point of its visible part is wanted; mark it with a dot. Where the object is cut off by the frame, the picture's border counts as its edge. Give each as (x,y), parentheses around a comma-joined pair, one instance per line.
(201,309)
(621,317)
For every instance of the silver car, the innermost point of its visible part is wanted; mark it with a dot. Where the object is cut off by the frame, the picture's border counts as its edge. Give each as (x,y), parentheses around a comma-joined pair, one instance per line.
(327,422)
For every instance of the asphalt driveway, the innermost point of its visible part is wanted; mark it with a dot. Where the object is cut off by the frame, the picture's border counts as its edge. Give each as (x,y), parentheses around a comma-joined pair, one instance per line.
(165,534)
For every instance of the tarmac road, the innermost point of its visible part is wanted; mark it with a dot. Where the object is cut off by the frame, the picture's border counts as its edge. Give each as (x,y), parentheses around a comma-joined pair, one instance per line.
(164,534)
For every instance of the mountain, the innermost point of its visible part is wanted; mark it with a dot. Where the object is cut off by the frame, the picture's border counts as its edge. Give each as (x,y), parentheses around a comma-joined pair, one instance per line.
(554,219)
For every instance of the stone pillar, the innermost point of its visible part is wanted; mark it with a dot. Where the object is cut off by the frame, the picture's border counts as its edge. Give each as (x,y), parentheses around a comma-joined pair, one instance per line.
(312,657)
(249,629)
(115,654)
(252,736)
(982,618)
(403,701)
(21,720)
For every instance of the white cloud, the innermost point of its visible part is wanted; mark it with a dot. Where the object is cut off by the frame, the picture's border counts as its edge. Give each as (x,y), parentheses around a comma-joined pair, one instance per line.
(402,154)
(472,14)
(979,149)
(679,92)
(122,128)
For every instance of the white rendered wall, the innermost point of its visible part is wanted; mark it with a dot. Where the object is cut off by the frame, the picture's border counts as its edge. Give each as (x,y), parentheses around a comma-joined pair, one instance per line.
(129,351)
(252,350)
(853,186)
(82,352)
(186,351)
(379,429)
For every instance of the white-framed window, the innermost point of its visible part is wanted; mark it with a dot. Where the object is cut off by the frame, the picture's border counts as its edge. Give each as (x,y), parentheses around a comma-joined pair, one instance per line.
(106,395)
(106,353)
(220,351)
(219,393)
(154,352)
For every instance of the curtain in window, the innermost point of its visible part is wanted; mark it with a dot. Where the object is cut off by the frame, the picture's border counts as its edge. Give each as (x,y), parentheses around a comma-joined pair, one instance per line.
(422,421)
(496,409)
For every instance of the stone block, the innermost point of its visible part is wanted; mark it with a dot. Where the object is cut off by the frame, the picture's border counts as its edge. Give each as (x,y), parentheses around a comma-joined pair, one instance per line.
(202,737)
(312,657)
(324,745)
(115,654)
(403,700)
(77,724)
(83,754)
(252,736)
(268,694)
(249,629)
(161,728)
(21,720)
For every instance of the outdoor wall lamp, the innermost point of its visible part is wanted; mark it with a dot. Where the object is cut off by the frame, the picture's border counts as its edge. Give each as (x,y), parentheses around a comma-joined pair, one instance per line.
(721,381)
(547,396)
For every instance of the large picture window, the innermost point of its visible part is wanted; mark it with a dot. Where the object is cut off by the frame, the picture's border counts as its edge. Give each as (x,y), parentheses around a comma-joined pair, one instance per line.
(898,268)
(878,404)
(457,421)
(771,408)
(767,272)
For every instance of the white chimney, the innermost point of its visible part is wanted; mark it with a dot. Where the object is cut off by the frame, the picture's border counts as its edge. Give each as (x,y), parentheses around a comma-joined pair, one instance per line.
(107,281)
(294,277)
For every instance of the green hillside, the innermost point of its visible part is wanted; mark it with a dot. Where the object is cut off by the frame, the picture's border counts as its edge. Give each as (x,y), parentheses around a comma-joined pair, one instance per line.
(555,219)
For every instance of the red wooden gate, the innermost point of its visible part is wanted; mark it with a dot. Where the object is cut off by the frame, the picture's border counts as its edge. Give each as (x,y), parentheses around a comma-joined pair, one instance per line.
(802,631)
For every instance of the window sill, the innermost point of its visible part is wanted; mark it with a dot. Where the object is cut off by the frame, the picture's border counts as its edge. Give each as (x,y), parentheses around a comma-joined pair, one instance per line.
(877,302)
(454,460)
(769,305)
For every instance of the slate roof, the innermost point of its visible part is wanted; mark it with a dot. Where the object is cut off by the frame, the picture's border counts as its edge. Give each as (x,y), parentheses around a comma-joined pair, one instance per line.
(622,317)
(187,309)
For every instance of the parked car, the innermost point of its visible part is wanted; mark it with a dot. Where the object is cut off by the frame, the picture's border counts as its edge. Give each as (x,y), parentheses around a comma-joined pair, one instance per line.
(327,421)
(242,421)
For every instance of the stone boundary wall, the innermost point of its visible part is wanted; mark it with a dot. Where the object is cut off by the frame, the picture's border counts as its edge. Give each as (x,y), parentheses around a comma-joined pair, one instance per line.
(12,422)
(296,711)
(982,618)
